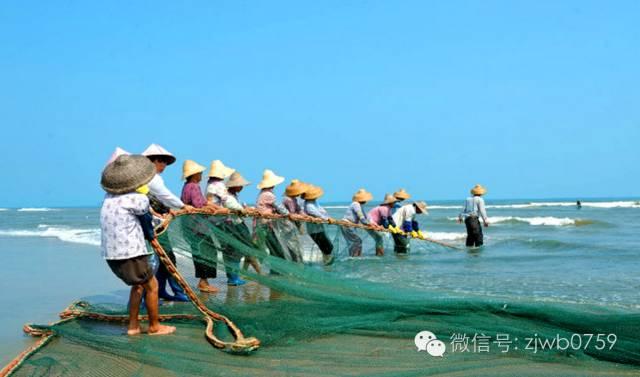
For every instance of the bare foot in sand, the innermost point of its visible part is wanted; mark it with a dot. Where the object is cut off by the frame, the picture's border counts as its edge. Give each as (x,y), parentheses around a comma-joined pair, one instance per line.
(162,330)
(207,288)
(135,331)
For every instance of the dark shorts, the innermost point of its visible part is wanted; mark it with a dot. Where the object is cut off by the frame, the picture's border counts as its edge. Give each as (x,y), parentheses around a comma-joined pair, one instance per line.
(133,271)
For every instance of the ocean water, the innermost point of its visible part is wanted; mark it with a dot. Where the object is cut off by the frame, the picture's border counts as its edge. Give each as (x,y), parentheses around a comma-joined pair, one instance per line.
(541,249)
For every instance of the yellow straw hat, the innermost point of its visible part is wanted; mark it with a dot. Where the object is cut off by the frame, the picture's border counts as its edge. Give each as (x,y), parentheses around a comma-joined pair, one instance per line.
(190,168)
(237,180)
(295,188)
(313,192)
(478,190)
(401,194)
(389,199)
(218,170)
(362,196)
(270,179)
(422,206)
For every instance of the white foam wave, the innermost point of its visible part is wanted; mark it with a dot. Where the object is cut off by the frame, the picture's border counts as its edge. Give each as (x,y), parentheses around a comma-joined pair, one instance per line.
(36,209)
(614,204)
(336,207)
(3,209)
(83,236)
(446,236)
(535,221)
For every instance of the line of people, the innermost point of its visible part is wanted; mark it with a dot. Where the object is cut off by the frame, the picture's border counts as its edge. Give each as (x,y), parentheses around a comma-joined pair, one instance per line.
(281,238)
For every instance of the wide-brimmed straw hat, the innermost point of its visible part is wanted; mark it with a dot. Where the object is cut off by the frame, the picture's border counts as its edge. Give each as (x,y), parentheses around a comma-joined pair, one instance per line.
(362,195)
(478,190)
(117,153)
(190,168)
(156,150)
(295,188)
(401,194)
(269,179)
(237,180)
(389,199)
(313,192)
(218,170)
(422,206)
(127,173)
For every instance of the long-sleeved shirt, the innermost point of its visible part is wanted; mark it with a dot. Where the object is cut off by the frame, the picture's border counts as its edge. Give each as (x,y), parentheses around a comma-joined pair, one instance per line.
(474,206)
(266,203)
(313,209)
(192,195)
(355,215)
(159,191)
(122,236)
(406,218)
(219,194)
(292,205)
(381,215)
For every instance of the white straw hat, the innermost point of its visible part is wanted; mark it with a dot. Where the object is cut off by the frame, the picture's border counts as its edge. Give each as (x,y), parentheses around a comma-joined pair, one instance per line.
(269,179)
(219,170)
(157,150)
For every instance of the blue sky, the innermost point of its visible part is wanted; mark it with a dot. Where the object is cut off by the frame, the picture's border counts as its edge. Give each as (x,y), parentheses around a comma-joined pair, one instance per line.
(532,99)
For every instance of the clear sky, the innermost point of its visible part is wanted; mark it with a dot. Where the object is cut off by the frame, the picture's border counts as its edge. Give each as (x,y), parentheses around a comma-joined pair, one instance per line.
(532,99)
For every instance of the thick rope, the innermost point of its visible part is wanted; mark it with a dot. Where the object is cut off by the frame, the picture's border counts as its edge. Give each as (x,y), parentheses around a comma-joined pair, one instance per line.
(241,344)
(254,213)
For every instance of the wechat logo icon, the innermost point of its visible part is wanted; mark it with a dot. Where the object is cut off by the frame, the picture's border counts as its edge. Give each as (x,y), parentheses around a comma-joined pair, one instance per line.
(427,341)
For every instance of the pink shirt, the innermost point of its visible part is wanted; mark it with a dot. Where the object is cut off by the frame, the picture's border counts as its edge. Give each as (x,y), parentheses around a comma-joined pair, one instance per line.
(378,213)
(192,195)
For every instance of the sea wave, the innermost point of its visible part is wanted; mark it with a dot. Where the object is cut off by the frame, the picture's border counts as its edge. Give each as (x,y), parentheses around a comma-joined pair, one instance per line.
(446,236)
(614,204)
(536,221)
(73,235)
(36,209)
(336,207)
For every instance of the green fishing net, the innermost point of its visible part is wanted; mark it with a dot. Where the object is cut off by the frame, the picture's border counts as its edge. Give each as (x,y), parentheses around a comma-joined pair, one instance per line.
(317,320)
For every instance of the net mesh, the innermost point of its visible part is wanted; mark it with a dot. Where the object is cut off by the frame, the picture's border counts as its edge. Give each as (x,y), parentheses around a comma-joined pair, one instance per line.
(313,319)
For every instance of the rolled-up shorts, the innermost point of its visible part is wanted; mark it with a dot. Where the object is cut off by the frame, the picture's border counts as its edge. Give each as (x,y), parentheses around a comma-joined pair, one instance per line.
(132,271)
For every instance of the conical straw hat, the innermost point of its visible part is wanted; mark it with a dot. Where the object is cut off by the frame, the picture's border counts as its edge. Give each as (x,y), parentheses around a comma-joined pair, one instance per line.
(237,180)
(422,206)
(157,150)
(269,179)
(117,153)
(313,192)
(190,168)
(478,190)
(127,173)
(401,194)
(362,196)
(295,188)
(218,170)
(389,199)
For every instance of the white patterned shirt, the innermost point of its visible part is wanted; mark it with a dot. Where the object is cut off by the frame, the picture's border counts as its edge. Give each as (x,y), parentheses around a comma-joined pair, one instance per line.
(122,236)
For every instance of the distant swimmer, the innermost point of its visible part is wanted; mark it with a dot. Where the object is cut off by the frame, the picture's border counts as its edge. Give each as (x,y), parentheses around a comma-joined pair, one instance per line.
(473,209)
(579,204)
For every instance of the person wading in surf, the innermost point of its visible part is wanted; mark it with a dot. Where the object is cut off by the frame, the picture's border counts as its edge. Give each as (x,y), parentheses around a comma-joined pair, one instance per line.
(473,209)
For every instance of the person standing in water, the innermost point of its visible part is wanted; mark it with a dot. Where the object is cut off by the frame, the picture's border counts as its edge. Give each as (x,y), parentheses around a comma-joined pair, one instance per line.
(473,209)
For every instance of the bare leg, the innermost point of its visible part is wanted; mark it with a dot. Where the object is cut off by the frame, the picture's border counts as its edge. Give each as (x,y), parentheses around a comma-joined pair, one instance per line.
(151,300)
(135,296)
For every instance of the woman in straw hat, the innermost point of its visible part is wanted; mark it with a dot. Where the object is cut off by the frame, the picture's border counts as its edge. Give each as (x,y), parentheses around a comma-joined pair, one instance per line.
(235,184)
(268,205)
(291,230)
(163,201)
(354,214)
(400,195)
(473,209)
(121,224)
(405,217)
(317,231)
(381,216)
(217,193)
(203,249)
